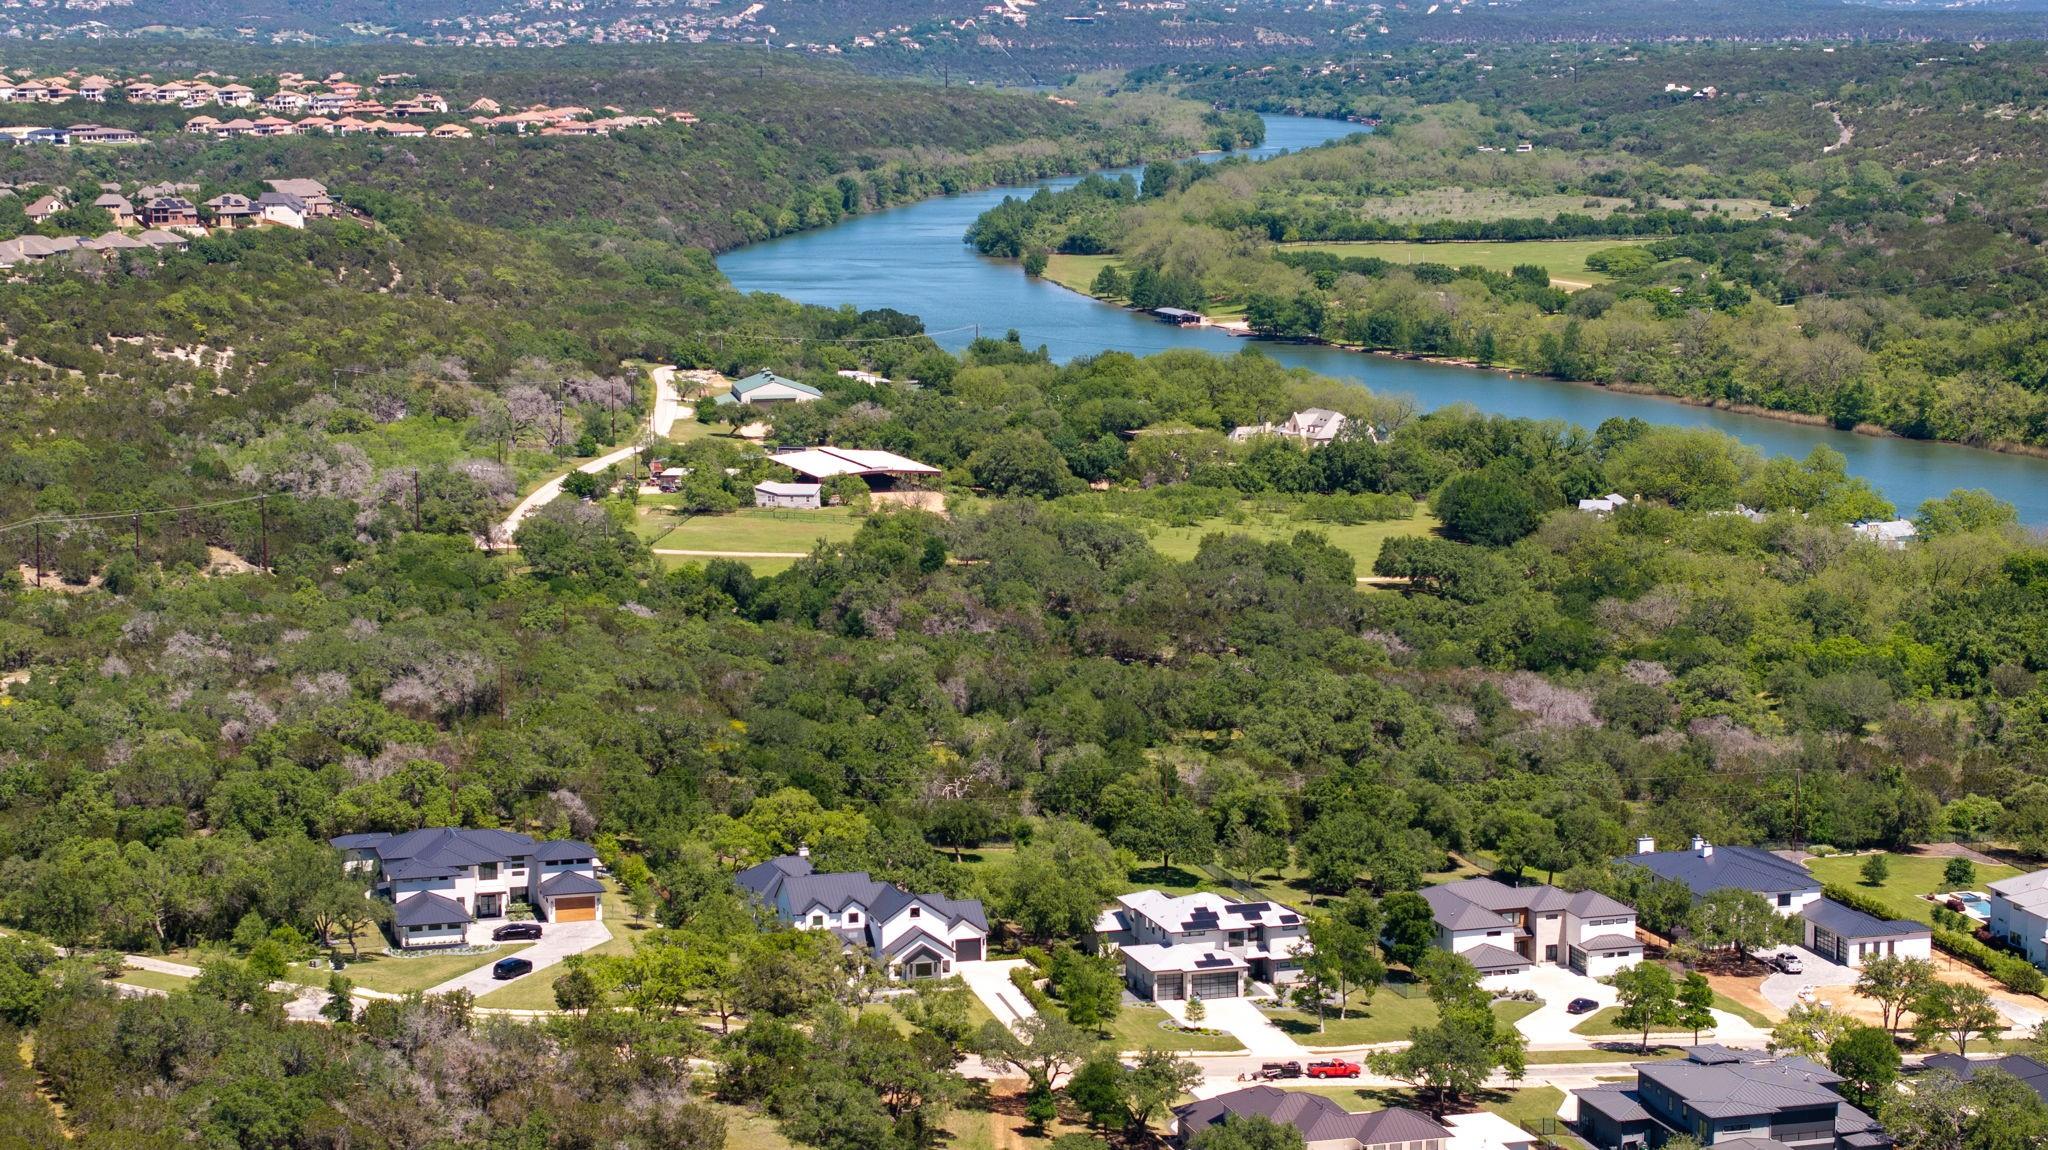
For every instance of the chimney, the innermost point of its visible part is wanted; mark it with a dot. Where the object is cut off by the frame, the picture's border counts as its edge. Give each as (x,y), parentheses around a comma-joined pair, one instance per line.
(1705,848)
(1645,845)
(803,850)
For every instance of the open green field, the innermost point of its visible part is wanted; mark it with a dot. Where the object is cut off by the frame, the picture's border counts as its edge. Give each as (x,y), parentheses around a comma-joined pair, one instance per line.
(1911,876)
(154,980)
(1603,1023)
(1565,260)
(1361,540)
(1076,273)
(759,529)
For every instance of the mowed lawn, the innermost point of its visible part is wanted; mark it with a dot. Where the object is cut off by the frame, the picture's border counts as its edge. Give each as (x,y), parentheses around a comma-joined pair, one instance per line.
(154,980)
(758,529)
(1565,260)
(1077,272)
(1362,540)
(1387,1018)
(376,970)
(1911,876)
(1138,1028)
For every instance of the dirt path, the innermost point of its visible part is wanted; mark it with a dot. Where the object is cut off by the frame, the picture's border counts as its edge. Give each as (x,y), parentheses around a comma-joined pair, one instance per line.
(668,406)
(26,1049)
(1847,133)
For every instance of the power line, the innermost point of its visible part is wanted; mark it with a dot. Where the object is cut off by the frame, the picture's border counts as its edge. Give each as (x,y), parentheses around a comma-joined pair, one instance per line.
(130,513)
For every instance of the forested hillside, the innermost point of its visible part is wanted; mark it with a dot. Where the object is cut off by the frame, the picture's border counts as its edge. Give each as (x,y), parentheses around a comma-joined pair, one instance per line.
(1851,236)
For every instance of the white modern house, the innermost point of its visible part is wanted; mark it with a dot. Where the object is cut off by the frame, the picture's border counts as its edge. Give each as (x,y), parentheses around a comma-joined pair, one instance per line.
(911,936)
(1605,504)
(2019,914)
(1314,427)
(1891,533)
(1848,937)
(1706,868)
(1202,945)
(443,881)
(1505,929)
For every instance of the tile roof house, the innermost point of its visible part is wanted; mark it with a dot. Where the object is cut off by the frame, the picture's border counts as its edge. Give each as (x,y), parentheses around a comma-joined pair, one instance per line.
(1847,936)
(1707,868)
(1314,427)
(40,211)
(283,209)
(1201,945)
(1504,929)
(1323,1124)
(318,203)
(911,936)
(117,206)
(441,880)
(1718,1096)
(768,387)
(169,211)
(2019,914)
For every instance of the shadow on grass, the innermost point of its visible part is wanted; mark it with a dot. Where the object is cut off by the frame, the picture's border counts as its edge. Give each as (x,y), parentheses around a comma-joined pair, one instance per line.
(1166,876)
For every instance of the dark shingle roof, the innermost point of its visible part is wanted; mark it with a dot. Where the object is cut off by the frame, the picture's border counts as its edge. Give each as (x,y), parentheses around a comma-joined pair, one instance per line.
(429,910)
(1848,922)
(764,879)
(1744,868)
(1319,1119)
(571,882)
(1491,959)
(2026,1069)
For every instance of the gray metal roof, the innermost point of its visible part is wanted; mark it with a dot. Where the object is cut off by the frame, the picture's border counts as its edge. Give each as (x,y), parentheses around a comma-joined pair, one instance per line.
(1737,1089)
(1593,904)
(426,909)
(1611,942)
(2027,1070)
(564,850)
(1615,1100)
(571,882)
(1743,868)
(1491,959)
(1850,923)
(442,846)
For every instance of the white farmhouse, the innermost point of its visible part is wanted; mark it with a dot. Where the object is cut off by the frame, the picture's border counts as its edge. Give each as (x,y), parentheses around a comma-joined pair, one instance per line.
(2019,914)
(1202,945)
(911,936)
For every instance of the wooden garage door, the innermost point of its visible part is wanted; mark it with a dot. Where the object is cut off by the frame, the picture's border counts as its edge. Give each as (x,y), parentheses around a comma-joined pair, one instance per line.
(576,908)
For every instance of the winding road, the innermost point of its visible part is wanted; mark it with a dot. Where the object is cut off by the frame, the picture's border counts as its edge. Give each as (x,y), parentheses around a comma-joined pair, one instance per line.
(668,408)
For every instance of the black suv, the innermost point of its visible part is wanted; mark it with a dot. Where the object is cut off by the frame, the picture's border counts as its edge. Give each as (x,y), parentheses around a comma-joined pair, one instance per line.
(516,930)
(506,968)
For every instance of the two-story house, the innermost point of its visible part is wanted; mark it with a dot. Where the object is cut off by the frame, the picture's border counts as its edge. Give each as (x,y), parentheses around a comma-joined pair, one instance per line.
(442,881)
(910,936)
(1202,945)
(1720,1096)
(2019,914)
(1505,929)
(1707,868)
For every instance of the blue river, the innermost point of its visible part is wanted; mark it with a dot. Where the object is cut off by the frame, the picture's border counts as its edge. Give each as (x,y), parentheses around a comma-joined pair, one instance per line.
(914,259)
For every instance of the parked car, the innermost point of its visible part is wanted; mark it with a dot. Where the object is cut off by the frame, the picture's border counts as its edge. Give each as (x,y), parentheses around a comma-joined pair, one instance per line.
(1787,962)
(1581,1006)
(506,968)
(1334,1068)
(1272,1070)
(516,930)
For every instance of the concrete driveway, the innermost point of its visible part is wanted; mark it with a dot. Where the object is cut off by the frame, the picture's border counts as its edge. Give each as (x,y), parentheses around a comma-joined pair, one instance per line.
(558,941)
(1549,1024)
(1782,990)
(990,982)
(1247,1023)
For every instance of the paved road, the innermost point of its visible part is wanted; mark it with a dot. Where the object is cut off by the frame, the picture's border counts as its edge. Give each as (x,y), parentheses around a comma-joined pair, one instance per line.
(668,406)
(546,493)
(302,1003)
(558,941)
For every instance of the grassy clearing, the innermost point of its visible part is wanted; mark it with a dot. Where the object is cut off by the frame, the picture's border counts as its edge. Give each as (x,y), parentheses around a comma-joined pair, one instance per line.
(1911,876)
(1748,1014)
(1565,260)
(747,1130)
(748,529)
(1362,541)
(154,980)
(1077,273)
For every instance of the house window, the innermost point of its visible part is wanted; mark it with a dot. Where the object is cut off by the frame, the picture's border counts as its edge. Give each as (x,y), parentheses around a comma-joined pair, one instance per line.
(1785,900)
(914,912)
(852,917)
(1550,954)
(485,872)
(817,920)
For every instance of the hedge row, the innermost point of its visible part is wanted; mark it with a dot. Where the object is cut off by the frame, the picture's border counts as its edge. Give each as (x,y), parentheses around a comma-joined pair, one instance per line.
(1025,979)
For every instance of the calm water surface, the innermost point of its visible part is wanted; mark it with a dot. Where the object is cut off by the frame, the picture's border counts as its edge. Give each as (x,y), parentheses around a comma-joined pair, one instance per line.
(913,259)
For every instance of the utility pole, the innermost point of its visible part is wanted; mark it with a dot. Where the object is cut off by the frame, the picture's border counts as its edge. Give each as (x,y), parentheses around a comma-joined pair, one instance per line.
(39,556)
(415,499)
(263,518)
(138,536)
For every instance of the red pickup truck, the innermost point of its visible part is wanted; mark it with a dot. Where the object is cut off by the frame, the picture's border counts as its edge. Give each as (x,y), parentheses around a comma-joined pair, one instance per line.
(1334,1068)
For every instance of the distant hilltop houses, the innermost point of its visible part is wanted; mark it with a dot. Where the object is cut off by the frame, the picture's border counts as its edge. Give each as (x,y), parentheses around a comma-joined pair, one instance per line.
(164,217)
(299,106)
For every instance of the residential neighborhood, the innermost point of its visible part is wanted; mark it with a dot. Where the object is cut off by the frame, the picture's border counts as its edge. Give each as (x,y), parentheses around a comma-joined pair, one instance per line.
(162,217)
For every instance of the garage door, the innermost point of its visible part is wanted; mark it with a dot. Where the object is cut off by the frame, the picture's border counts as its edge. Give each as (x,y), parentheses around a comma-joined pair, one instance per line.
(967,950)
(576,908)
(1215,985)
